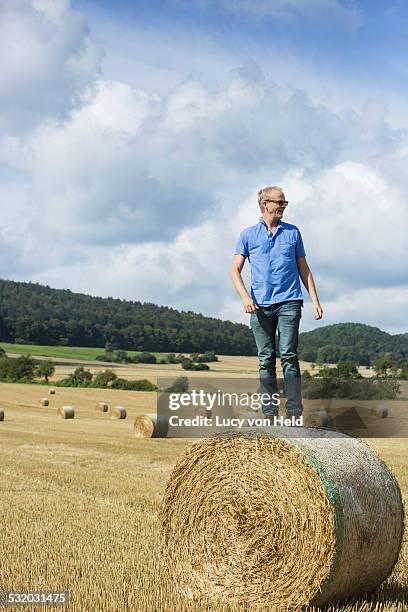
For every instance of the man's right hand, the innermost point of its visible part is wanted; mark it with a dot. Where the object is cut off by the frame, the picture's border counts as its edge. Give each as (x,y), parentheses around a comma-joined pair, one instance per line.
(249,305)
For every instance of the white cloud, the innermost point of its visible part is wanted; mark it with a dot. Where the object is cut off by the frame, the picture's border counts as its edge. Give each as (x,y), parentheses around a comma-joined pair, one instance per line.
(142,196)
(352,217)
(156,55)
(159,188)
(46,57)
(381,307)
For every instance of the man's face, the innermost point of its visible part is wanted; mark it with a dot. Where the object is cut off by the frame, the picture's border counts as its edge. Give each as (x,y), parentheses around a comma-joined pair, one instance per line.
(271,203)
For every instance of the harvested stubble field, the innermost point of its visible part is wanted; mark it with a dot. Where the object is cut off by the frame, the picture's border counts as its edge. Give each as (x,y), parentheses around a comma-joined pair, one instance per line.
(228,366)
(80,498)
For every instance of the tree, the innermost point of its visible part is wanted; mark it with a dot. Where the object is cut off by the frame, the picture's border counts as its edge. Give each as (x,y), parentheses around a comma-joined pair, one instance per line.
(121,356)
(18,369)
(385,366)
(180,385)
(200,366)
(308,355)
(347,369)
(403,371)
(103,378)
(109,347)
(80,376)
(146,357)
(325,354)
(326,372)
(188,364)
(22,367)
(4,367)
(45,369)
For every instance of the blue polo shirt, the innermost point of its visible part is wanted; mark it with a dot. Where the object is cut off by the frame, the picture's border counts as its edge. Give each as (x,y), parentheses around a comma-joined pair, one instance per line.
(272,257)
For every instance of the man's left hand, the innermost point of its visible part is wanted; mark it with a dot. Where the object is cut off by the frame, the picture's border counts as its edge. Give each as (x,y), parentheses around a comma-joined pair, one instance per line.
(317,310)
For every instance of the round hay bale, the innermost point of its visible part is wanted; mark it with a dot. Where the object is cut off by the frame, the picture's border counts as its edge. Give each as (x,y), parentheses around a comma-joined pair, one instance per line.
(66,412)
(149,426)
(265,517)
(379,411)
(118,412)
(321,418)
(44,401)
(51,391)
(102,407)
(2,415)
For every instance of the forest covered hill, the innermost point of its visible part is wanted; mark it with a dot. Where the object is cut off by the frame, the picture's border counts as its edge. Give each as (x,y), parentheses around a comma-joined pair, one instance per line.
(35,314)
(358,342)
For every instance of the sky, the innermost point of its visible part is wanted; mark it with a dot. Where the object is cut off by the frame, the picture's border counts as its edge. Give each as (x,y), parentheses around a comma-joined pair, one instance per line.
(134,137)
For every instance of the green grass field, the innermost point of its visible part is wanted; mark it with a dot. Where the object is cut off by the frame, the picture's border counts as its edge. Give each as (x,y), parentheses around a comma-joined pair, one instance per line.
(60,352)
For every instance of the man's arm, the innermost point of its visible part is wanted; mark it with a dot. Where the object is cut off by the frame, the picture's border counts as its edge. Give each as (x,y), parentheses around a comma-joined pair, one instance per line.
(236,269)
(308,281)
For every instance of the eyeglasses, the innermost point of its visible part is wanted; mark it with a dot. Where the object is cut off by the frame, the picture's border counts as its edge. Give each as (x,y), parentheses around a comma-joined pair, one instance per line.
(281,202)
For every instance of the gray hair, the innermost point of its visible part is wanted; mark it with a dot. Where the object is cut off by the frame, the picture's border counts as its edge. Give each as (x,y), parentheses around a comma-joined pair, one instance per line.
(262,192)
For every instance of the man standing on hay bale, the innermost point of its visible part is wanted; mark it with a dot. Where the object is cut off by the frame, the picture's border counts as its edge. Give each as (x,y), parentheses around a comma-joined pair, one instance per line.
(277,258)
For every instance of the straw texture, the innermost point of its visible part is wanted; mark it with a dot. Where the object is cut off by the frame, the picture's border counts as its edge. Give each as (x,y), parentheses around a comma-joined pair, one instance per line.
(118,413)
(320,418)
(148,426)
(44,401)
(260,516)
(102,407)
(66,412)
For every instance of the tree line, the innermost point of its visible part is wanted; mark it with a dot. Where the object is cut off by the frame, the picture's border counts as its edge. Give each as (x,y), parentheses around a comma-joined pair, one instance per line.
(25,369)
(357,342)
(345,381)
(35,314)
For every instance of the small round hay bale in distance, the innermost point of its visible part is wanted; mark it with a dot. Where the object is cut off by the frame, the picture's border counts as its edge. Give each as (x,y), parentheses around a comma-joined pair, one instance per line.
(44,401)
(264,517)
(51,391)
(66,412)
(118,412)
(102,407)
(2,415)
(379,411)
(149,426)
(321,418)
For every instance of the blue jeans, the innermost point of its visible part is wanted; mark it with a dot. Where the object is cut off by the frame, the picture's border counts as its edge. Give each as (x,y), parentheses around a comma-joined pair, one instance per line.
(283,318)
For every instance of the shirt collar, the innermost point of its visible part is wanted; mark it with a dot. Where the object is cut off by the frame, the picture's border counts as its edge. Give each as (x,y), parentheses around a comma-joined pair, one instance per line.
(262,220)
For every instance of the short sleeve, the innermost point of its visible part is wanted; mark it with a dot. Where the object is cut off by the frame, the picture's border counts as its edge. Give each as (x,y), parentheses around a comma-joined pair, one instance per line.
(300,249)
(242,245)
